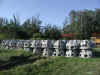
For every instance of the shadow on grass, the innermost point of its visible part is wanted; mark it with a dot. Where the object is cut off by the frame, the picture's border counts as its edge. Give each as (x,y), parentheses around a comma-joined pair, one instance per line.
(21,60)
(2,62)
(17,60)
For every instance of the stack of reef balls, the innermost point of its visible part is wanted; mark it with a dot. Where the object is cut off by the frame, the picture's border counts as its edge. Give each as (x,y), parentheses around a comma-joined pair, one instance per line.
(81,48)
(67,48)
(86,49)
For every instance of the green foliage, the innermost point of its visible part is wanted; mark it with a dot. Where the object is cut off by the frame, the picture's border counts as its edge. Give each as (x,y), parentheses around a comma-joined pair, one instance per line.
(52,32)
(30,29)
(13,29)
(36,36)
(83,23)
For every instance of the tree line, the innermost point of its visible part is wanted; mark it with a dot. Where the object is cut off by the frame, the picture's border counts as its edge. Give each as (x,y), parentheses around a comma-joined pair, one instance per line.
(80,23)
(83,23)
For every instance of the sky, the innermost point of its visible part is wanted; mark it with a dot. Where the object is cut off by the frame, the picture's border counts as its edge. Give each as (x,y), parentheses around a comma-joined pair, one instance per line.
(50,11)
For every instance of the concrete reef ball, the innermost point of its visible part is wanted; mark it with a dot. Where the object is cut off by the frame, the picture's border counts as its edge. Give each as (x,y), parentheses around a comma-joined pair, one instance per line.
(67,48)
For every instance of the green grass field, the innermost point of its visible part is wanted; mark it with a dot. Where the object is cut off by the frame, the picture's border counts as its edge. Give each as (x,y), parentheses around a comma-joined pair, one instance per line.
(19,62)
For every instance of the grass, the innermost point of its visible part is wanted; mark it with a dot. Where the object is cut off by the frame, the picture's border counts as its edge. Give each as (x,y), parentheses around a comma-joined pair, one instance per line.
(25,63)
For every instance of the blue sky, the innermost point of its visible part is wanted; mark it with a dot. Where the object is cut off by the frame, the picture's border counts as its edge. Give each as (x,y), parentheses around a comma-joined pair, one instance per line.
(50,11)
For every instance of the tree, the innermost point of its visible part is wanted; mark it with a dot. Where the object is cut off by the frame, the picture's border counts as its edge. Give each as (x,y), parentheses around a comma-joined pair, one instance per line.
(32,26)
(83,23)
(52,32)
